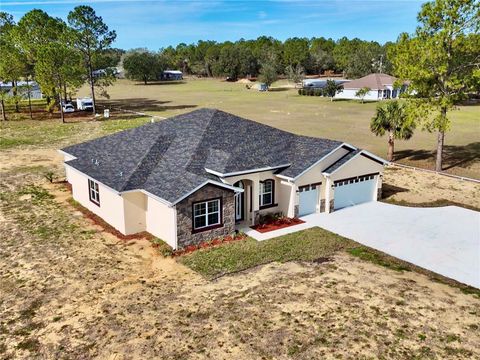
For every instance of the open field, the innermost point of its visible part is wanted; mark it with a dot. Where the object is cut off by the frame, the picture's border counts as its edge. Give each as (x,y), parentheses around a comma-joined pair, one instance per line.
(307,115)
(70,290)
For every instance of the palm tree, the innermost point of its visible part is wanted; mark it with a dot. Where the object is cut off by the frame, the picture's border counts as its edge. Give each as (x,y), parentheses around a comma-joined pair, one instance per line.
(392,118)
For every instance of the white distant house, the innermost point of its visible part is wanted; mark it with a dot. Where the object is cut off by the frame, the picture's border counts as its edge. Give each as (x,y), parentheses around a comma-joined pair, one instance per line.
(381,88)
(320,83)
(172,75)
(35,91)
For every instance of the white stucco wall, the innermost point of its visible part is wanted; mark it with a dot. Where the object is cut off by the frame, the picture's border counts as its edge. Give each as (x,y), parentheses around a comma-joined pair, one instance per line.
(314,174)
(350,94)
(360,165)
(161,221)
(111,207)
(135,205)
(256,178)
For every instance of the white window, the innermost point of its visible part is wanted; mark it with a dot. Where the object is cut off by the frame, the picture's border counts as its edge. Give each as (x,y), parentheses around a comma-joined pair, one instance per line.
(93,192)
(266,193)
(206,214)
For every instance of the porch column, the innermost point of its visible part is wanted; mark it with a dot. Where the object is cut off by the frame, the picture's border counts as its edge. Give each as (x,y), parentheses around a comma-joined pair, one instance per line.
(255,202)
(328,186)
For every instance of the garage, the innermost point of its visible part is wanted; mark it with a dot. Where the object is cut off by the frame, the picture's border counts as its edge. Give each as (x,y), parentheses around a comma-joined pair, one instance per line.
(354,191)
(308,199)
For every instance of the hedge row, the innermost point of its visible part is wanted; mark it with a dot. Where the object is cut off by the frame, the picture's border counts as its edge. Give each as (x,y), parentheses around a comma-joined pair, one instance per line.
(311,92)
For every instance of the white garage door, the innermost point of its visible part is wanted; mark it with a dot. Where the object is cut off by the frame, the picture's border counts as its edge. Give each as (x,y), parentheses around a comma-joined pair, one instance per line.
(354,191)
(308,199)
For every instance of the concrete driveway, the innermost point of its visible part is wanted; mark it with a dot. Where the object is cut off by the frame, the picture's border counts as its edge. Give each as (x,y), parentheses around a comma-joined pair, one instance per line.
(445,240)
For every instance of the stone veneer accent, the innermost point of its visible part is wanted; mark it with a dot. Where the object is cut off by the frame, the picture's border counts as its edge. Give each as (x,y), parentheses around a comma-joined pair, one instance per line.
(296,211)
(185,236)
(379,194)
(332,205)
(322,205)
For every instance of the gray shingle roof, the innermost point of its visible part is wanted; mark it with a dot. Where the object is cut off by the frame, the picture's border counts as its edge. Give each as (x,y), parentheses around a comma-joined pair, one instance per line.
(168,158)
(341,161)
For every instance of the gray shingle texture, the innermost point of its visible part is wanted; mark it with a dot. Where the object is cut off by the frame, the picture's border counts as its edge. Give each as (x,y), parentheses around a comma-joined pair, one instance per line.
(168,158)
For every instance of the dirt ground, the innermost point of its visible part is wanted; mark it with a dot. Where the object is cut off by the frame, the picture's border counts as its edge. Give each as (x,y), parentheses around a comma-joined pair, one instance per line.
(68,290)
(414,186)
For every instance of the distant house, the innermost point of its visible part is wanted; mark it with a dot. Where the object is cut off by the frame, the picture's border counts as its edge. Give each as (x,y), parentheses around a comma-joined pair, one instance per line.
(35,91)
(172,75)
(381,88)
(320,83)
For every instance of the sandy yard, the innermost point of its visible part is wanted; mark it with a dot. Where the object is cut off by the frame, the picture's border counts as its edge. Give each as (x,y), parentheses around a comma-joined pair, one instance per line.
(70,290)
(423,187)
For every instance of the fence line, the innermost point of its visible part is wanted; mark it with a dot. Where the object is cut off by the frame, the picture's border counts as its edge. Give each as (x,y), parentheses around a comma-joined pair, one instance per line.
(133,112)
(437,172)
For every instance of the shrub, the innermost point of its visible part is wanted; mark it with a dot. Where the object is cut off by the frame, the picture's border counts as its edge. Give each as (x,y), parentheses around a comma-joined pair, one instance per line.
(163,248)
(269,218)
(49,175)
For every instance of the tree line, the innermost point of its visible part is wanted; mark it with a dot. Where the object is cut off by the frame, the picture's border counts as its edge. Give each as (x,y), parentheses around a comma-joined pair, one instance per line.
(60,56)
(246,58)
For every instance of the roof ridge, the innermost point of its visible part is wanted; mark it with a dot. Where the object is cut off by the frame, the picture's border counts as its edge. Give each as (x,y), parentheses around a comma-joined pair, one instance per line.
(142,159)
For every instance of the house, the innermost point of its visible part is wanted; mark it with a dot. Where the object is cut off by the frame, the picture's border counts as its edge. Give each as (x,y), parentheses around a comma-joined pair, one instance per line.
(172,75)
(200,175)
(35,91)
(381,88)
(320,83)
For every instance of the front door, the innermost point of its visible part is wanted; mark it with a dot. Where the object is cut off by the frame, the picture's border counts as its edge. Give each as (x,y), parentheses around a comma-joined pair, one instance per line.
(239,202)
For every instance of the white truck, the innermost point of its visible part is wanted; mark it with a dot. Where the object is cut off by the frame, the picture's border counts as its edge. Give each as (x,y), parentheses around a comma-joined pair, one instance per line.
(85,103)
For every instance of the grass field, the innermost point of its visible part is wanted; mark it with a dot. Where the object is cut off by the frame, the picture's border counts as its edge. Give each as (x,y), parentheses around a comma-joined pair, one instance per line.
(69,289)
(307,115)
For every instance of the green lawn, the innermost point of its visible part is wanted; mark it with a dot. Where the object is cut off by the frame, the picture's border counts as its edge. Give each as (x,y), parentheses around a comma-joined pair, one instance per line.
(306,245)
(307,115)
(283,108)
(311,245)
(52,133)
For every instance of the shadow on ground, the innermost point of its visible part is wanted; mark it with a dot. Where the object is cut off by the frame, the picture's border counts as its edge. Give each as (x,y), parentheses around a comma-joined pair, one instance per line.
(390,190)
(143,104)
(453,156)
(150,83)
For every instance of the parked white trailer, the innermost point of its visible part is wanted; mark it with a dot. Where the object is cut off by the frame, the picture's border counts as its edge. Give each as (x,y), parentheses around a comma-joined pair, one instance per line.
(85,103)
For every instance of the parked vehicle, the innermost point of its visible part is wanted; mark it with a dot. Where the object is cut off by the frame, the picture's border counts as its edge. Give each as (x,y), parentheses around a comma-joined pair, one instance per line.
(85,103)
(68,108)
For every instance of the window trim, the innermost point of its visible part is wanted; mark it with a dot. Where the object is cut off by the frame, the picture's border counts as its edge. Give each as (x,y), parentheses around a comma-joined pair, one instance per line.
(260,195)
(208,227)
(96,190)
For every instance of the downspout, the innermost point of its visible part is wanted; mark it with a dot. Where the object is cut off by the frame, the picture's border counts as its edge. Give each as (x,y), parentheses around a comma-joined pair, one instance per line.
(175,227)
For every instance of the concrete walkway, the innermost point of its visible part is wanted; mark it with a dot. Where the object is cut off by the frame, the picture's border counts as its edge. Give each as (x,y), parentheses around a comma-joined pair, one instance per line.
(445,240)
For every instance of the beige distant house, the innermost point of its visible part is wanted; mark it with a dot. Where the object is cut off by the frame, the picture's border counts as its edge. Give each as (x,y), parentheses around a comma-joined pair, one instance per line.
(381,88)
(201,175)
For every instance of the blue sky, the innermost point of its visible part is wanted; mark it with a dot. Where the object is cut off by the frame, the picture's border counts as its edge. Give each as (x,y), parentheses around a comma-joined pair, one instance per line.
(156,24)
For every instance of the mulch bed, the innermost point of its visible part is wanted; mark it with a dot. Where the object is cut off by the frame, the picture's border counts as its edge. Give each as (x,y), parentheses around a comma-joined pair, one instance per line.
(97,220)
(208,244)
(277,224)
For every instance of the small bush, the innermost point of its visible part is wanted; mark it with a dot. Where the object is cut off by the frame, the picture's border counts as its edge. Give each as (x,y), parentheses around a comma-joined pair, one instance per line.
(49,175)
(163,248)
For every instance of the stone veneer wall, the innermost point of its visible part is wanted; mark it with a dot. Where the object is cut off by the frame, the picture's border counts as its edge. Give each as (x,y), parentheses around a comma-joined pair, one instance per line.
(185,236)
